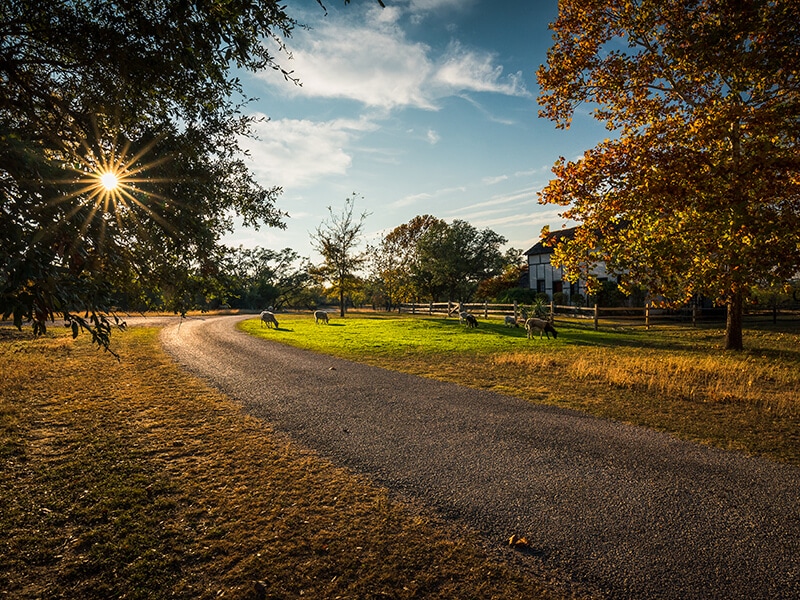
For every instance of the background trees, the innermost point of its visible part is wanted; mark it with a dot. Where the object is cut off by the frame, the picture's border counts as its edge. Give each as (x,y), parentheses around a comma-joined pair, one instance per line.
(260,277)
(144,92)
(395,261)
(427,258)
(700,192)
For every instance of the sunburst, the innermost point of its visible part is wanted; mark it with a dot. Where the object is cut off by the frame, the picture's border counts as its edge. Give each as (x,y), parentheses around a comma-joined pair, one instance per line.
(114,184)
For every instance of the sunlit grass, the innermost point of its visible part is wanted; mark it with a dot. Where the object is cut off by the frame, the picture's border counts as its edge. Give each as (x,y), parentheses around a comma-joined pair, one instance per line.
(674,379)
(393,336)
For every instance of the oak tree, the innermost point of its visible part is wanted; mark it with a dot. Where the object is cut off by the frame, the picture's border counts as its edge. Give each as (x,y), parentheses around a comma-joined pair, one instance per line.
(395,261)
(120,159)
(699,191)
(453,258)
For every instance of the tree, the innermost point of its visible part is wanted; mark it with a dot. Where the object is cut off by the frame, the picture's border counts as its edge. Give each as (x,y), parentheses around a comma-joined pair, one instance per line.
(452,259)
(499,286)
(260,277)
(119,147)
(336,240)
(394,260)
(700,191)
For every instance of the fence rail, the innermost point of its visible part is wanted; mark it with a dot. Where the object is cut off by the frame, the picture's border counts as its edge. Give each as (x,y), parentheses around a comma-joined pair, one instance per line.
(636,316)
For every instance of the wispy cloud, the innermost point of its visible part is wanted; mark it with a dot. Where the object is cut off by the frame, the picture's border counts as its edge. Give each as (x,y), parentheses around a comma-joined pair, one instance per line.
(494,180)
(294,153)
(412,199)
(375,64)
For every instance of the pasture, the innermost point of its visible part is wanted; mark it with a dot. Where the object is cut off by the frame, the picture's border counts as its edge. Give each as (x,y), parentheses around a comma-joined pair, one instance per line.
(672,379)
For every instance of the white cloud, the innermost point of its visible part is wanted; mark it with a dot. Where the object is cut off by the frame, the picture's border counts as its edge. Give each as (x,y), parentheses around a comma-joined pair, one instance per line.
(375,64)
(294,153)
(464,70)
(425,196)
(433,137)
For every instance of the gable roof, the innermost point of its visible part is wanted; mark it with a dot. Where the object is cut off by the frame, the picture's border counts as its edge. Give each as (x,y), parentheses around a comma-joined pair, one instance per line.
(552,240)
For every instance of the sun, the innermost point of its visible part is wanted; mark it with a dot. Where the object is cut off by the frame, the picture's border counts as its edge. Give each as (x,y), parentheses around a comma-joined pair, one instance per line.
(109,181)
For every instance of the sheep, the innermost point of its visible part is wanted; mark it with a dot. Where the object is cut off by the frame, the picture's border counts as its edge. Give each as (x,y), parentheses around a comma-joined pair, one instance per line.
(543,326)
(268,319)
(511,322)
(469,320)
(320,316)
(464,317)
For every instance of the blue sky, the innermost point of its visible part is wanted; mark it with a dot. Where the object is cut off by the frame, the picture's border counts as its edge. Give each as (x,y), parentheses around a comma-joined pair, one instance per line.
(424,107)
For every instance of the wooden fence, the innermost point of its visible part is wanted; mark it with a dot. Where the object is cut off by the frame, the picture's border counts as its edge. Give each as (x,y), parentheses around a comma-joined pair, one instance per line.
(647,316)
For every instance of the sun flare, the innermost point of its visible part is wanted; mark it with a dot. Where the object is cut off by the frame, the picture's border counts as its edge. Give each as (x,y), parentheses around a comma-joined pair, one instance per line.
(112,184)
(109,180)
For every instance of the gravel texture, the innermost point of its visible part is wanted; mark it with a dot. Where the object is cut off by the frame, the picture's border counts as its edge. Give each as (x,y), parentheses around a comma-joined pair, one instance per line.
(623,511)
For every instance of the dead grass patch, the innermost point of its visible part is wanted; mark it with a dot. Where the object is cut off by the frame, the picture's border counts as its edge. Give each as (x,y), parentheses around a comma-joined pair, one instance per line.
(723,378)
(134,480)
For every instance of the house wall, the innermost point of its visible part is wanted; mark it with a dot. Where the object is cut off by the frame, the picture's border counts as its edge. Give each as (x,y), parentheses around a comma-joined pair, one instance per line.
(546,278)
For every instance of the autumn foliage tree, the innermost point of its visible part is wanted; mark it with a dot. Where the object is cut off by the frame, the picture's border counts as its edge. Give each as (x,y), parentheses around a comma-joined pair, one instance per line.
(395,261)
(699,191)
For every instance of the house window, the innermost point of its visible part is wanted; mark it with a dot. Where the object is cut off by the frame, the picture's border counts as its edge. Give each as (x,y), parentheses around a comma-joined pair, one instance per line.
(541,285)
(558,287)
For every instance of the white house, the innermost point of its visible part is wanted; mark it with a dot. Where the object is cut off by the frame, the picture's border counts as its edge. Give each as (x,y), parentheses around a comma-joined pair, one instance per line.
(546,278)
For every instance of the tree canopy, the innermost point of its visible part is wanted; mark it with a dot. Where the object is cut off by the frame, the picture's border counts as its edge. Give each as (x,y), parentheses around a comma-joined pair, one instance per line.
(430,258)
(699,193)
(120,165)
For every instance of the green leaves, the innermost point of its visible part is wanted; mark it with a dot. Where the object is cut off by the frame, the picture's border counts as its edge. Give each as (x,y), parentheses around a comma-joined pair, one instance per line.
(143,90)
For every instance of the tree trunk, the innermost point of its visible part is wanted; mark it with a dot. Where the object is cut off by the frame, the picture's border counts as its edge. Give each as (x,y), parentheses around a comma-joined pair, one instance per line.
(341,303)
(733,327)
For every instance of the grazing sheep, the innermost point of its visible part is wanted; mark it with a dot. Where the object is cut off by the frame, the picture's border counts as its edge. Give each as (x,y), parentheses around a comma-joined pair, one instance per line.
(511,322)
(543,326)
(268,319)
(320,316)
(464,317)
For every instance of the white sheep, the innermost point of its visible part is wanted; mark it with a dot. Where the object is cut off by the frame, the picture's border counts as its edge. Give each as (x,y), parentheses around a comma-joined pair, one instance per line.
(320,316)
(511,322)
(268,319)
(543,326)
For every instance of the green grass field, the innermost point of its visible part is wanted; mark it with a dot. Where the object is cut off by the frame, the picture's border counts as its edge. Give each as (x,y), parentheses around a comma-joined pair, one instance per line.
(673,379)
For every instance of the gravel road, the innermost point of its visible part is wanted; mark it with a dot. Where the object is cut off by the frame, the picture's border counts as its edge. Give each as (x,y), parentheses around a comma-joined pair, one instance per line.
(626,512)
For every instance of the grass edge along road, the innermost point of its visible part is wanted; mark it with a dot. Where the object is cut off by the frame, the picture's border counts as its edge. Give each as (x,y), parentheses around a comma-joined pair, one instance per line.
(133,479)
(673,379)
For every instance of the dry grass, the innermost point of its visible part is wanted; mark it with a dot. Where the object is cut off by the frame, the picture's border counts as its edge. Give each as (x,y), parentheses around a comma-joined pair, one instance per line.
(134,480)
(722,378)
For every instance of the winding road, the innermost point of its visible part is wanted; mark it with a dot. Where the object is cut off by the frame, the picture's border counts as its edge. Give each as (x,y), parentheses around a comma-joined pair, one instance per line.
(625,512)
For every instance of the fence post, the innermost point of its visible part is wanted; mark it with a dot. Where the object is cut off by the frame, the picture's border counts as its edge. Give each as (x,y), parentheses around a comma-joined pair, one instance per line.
(647,316)
(694,313)
(449,307)
(552,312)
(516,310)
(596,315)
(485,309)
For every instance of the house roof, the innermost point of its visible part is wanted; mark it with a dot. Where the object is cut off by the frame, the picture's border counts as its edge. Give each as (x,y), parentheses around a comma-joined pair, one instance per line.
(552,240)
